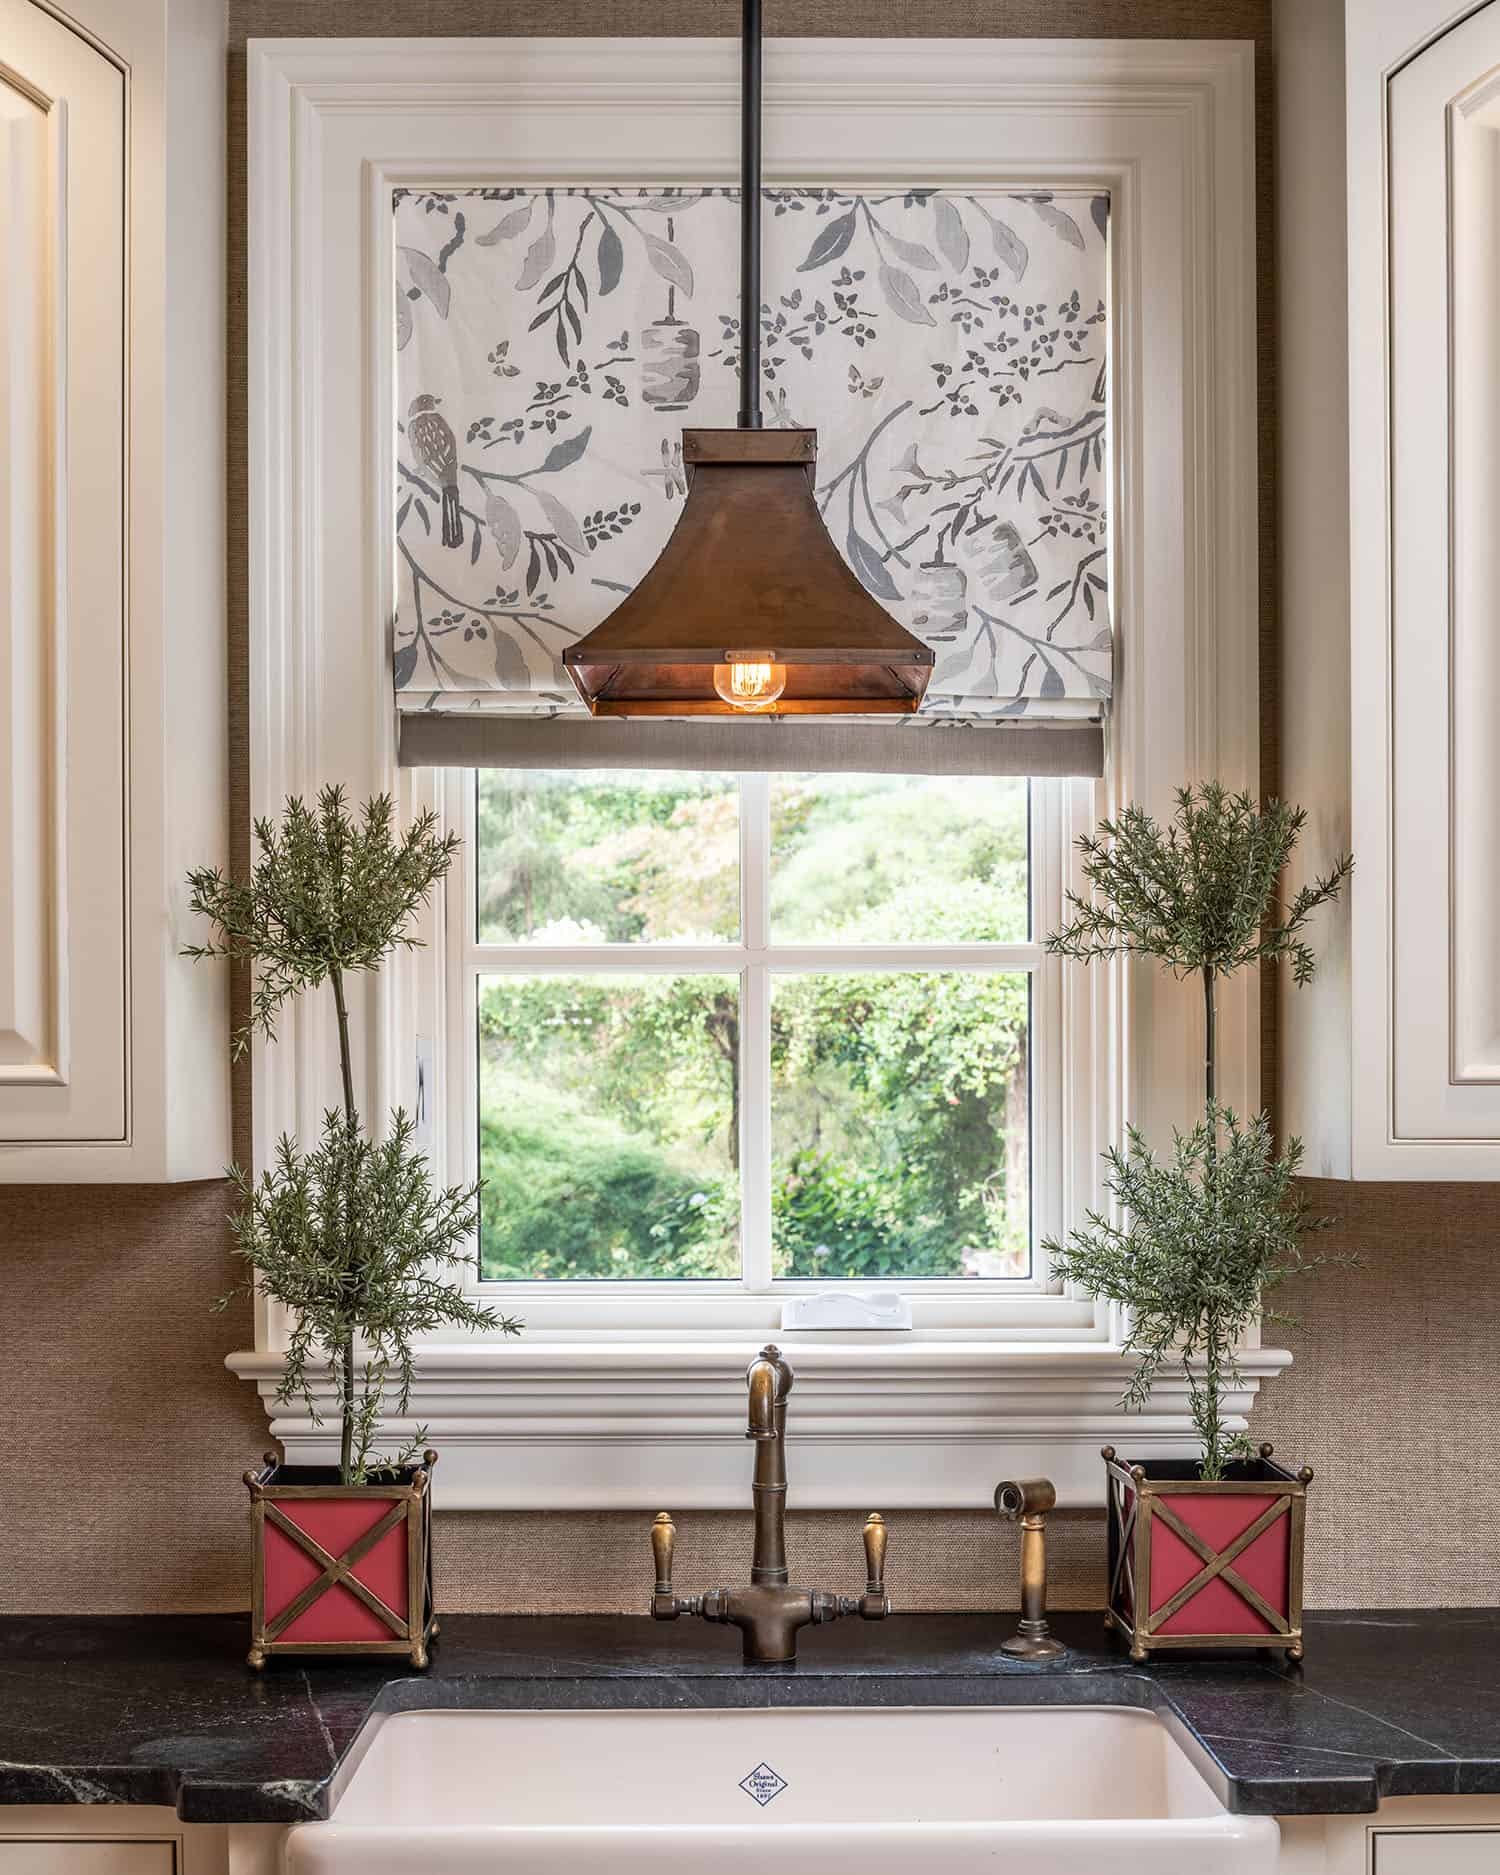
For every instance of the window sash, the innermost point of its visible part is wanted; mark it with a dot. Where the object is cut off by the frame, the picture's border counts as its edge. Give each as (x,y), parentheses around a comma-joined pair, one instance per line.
(755,960)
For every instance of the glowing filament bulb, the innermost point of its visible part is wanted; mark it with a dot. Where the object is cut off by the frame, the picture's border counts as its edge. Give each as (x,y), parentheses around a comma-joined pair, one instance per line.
(750,683)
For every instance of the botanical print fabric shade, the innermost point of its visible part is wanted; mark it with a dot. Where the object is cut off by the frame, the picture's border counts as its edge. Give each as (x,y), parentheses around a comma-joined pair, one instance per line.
(950,350)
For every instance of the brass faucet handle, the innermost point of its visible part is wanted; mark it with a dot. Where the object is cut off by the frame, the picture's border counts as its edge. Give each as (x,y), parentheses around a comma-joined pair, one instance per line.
(663,1541)
(875,1604)
(875,1541)
(666,1606)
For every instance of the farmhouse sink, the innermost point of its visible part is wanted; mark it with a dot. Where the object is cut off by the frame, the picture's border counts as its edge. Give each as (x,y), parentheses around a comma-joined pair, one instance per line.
(1053,1790)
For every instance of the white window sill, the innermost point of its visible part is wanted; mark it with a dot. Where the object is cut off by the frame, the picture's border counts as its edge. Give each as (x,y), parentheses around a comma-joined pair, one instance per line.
(647,1425)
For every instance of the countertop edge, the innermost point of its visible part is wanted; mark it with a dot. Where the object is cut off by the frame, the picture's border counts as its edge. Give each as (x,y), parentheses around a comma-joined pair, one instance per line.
(1395,1705)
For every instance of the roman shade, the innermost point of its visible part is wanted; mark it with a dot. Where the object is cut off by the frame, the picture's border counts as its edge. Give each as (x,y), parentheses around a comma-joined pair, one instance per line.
(949,349)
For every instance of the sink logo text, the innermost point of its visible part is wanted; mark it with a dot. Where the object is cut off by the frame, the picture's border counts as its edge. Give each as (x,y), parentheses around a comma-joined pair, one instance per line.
(763,1784)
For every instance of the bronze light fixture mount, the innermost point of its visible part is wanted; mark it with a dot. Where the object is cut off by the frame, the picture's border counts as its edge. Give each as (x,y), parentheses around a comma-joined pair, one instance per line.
(750,608)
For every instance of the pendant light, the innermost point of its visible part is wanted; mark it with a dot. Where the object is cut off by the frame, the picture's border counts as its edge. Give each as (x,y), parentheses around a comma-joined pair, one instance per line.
(750,609)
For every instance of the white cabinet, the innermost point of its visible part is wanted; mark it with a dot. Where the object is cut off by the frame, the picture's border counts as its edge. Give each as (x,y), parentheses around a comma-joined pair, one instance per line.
(1406,1836)
(112,656)
(1434,1851)
(62,581)
(1423,195)
(65,1856)
(1391,676)
(111,1839)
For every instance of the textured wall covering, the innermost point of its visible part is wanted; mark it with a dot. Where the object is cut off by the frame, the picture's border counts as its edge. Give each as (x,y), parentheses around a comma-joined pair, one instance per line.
(597,1564)
(124,1437)
(105,1336)
(1395,1369)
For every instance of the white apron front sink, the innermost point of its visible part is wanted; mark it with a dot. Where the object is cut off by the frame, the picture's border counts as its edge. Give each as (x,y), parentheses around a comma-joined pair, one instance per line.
(1051,1790)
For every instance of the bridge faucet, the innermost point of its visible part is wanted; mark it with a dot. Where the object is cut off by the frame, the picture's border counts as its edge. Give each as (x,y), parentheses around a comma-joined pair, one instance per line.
(770,1611)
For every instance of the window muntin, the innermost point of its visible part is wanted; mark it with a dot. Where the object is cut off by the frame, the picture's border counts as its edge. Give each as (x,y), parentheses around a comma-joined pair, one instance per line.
(793,1042)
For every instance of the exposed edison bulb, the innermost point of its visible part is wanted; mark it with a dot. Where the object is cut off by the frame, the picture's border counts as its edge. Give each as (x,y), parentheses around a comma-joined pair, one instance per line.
(750,683)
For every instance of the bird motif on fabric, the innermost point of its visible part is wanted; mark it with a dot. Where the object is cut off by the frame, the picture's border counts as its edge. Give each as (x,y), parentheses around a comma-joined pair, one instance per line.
(433,444)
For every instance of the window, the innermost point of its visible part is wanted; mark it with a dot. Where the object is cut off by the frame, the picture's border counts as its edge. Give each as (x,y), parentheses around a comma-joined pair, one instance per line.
(754,1034)
(625,1391)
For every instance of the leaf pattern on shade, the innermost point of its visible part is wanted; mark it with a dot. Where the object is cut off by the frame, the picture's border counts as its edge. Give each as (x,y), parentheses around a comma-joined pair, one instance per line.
(953,367)
(903,296)
(428,278)
(670,262)
(539,257)
(950,233)
(611,261)
(829,244)
(1058,220)
(508,226)
(868,564)
(505,528)
(1011,248)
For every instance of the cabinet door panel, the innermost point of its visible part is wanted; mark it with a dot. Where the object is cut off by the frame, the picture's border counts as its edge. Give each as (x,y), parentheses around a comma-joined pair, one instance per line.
(63,1857)
(63,691)
(1441,1070)
(1435,1852)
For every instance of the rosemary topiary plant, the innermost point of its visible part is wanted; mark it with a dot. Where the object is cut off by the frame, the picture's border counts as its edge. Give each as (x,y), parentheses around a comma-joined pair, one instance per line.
(351,1237)
(1209,1231)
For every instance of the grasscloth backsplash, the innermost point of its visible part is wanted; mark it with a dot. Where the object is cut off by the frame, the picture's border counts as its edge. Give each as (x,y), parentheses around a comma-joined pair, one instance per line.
(106,1332)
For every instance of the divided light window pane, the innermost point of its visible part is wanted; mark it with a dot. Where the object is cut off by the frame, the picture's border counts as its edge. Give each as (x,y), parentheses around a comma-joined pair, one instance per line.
(900,1134)
(607,858)
(898,859)
(607,1127)
(888,1099)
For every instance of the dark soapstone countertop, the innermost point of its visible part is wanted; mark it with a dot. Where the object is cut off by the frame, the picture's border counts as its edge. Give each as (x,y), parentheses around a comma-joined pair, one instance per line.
(163,1709)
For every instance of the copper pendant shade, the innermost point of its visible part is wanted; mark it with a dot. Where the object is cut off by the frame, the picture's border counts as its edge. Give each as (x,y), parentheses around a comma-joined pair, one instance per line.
(750,607)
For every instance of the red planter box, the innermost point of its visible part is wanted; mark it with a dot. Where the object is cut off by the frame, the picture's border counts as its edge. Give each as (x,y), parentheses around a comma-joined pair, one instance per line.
(340,1569)
(1206,1565)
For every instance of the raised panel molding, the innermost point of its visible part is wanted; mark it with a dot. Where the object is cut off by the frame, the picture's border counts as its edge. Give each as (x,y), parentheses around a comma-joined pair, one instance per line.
(83,1838)
(1473,487)
(1424,386)
(33,154)
(113,741)
(64,945)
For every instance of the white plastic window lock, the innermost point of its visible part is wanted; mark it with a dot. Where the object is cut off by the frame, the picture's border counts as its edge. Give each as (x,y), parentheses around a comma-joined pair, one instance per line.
(846,1308)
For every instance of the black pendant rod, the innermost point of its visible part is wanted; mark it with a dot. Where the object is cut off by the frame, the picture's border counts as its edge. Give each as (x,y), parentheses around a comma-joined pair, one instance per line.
(750,418)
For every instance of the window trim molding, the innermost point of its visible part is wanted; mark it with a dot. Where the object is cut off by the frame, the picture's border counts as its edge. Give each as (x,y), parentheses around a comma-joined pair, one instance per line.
(984,1307)
(1168,127)
(534,1426)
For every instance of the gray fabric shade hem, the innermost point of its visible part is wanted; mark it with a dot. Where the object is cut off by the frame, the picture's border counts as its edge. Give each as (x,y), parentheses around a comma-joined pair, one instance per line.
(434,739)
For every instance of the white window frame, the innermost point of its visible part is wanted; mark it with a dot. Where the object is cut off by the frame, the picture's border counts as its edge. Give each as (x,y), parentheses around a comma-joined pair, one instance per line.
(994,1308)
(635,1414)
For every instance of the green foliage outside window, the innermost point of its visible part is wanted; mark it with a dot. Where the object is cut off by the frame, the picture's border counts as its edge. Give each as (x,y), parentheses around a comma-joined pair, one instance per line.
(609,1104)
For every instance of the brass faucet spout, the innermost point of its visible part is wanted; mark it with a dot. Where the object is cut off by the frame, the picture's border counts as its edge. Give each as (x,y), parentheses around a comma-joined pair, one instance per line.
(769,1380)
